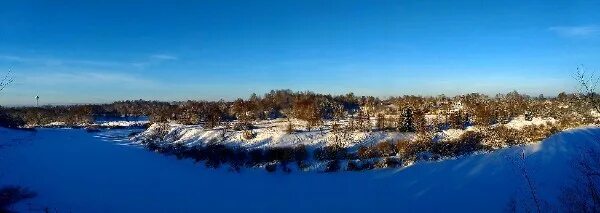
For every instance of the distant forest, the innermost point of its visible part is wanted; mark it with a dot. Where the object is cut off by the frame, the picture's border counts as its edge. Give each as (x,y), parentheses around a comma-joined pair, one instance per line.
(312,108)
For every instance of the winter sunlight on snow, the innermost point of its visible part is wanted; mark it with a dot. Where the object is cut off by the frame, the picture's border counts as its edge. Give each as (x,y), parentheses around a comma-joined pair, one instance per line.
(299,106)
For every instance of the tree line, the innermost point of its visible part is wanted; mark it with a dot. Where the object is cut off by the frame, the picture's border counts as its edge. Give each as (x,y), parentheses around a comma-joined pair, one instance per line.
(405,113)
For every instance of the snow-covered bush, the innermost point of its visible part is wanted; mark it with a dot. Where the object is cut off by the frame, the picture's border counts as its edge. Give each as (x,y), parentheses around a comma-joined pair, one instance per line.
(300,155)
(279,154)
(334,152)
(410,150)
(10,121)
(469,142)
(255,157)
(9,195)
(332,166)
(381,149)
(353,165)
(388,162)
(272,167)
(248,134)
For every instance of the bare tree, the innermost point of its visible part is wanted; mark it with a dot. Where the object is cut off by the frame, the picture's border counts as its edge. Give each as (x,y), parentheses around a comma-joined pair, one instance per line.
(587,86)
(6,80)
(583,194)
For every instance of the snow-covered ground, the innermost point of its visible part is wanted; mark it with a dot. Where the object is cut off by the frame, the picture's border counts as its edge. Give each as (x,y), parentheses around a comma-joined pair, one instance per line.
(104,122)
(75,171)
(268,134)
(520,122)
(272,133)
(123,123)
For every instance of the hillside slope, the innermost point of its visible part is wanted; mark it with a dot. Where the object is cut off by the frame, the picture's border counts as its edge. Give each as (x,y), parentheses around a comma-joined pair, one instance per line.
(72,171)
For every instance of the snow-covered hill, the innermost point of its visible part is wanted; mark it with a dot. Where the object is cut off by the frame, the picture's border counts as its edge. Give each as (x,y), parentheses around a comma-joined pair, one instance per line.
(266,134)
(72,171)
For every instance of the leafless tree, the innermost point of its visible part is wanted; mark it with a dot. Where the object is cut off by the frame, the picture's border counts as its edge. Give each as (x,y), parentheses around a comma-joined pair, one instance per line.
(584,194)
(6,80)
(587,86)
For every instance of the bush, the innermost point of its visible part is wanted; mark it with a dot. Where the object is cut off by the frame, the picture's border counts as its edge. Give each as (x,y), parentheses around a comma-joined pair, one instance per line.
(353,166)
(279,154)
(196,153)
(248,134)
(160,131)
(243,126)
(133,134)
(467,143)
(256,157)
(300,153)
(367,165)
(238,159)
(386,149)
(389,163)
(289,128)
(502,136)
(364,153)
(10,121)
(300,156)
(271,167)
(302,165)
(217,154)
(409,150)
(9,195)
(332,166)
(383,149)
(334,152)
(285,168)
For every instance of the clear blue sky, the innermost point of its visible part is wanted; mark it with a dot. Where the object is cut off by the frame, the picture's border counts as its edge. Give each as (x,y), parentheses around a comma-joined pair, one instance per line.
(101,51)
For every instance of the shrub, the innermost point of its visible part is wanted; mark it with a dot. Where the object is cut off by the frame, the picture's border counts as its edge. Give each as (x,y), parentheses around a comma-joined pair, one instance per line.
(243,126)
(409,150)
(133,134)
(353,166)
(9,195)
(300,153)
(279,154)
(467,143)
(389,163)
(197,153)
(334,152)
(256,156)
(356,165)
(332,166)
(92,129)
(248,134)
(367,165)
(385,149)
(216,154)
(364,153)
(285,168)
(289,128)
(160,131)
(10,121)
(502,136)
(238,159)
(302,165)
(271,167)
(152,146)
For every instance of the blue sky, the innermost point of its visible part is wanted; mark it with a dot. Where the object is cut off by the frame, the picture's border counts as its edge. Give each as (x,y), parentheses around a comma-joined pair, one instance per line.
(101,51)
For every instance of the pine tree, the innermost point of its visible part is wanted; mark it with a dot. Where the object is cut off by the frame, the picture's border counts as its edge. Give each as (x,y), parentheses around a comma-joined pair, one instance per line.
(407,121)
(381,122)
